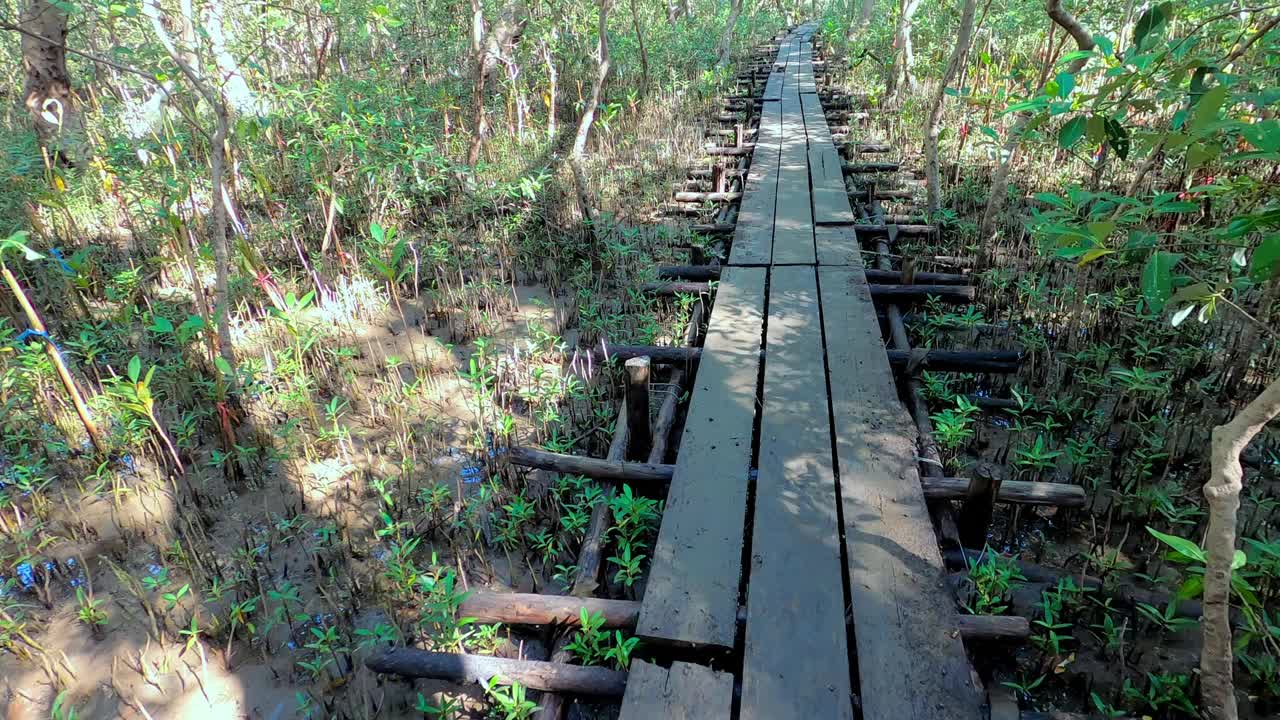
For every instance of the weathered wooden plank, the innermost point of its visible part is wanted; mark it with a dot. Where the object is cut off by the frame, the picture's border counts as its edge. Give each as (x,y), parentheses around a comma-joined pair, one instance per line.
(837,244)
(911,661)
(646,694)
(826,173)
(698,693)
(795,546)
(815,121)
(804,70)
(773,86)
(793,221)
(685,692)
(830,198)
(753,238)
(692,595)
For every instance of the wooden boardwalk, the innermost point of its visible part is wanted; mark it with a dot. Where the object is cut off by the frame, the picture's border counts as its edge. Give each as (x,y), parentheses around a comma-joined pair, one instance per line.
(831,549)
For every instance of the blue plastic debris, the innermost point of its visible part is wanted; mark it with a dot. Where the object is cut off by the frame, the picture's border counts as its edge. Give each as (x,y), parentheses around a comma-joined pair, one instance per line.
(57,255)
(471,473)
(26,575)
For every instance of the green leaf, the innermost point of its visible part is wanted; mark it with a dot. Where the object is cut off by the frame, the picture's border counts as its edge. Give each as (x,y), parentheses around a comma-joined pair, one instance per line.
(1201,153)
(1266,259)
(1051,199)
(1093,254)
(1097,129)
(1102,230)
(378,233)
(1117,137)
(17,241)
(1157,279)
(1181,546)
(135,368)
(161,325)
(1066,83)
(1264,135)
(1192,588)
(1071,132)
(1151,25)
(1207,109)
(1035,104)
(223,366)
(1074,55)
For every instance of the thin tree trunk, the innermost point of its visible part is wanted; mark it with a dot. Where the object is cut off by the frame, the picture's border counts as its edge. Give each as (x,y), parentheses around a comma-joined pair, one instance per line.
(579,150)
(488,48)
(865,12)
(934,119)
(218,234)
(47,95)
(478,80)
(900,68)
(1226,479)
(726,37)
(644,54)
(233,85)
(553,76)
(217,148)
(1000,180)
(597,89)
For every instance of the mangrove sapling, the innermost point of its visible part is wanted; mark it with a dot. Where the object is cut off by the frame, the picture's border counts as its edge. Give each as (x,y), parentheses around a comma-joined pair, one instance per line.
(510,700)
(90,612)
(325,641)
(629,566)
(448,709)
(1105,709)
(1025,686)
(1110,633)
(1034,460)
(991,580)
(135,395)
(1163,694)
(240,615)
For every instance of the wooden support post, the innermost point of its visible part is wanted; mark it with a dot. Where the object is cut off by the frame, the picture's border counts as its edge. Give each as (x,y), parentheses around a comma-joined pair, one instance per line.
(676,288)
(638,408)
(552,676)
(712,229)
(869,167)
(533,609)
(693,272)
(913,229)
(991,361)
(891,277)
(593,468)
(883,293)
(975,514)
(694,196)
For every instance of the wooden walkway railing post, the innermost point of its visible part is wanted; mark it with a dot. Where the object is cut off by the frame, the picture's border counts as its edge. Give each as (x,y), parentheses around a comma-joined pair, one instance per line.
(638,408)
